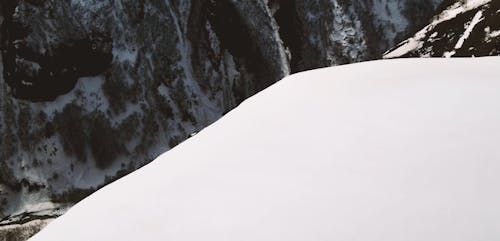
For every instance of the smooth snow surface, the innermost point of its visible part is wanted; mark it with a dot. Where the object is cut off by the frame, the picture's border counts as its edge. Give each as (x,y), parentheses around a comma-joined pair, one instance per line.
(390,150)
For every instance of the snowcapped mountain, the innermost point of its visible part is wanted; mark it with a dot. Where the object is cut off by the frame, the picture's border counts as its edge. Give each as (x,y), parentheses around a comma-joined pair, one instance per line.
(464,28)
(357,152)
(91,90)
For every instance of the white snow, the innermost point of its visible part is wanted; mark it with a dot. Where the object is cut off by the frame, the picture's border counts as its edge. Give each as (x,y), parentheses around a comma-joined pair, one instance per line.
(449,54)
(406,47)
(494,34)
(386,150)
(491,34)
(123,55)
(477,19)
(91,96)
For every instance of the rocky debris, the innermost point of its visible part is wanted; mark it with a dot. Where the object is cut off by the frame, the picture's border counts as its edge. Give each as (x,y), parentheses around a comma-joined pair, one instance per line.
(21,232)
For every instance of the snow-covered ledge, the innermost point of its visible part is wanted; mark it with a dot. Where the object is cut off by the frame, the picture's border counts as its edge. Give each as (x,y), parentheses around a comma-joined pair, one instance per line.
(386,150)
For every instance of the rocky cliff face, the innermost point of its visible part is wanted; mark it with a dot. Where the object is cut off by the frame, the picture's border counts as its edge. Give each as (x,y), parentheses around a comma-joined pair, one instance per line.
(462,29)
(91,90)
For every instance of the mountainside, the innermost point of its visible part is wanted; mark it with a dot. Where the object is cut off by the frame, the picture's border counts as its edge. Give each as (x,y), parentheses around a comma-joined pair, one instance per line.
(357,152)
(91,90)
(463,29)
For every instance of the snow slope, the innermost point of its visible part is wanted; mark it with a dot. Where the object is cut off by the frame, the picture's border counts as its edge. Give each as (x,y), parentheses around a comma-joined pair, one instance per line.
(139,77)
(357,152)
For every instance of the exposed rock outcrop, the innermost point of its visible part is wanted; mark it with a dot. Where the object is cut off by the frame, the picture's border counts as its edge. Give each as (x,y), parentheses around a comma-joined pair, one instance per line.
(464,29)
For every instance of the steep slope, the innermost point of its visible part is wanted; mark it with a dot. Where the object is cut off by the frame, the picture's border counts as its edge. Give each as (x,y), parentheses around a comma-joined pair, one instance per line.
(91,90)
(463,29)
(359,152)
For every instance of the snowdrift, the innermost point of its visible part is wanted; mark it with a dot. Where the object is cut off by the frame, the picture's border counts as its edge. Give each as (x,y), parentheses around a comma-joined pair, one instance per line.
(385,150)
